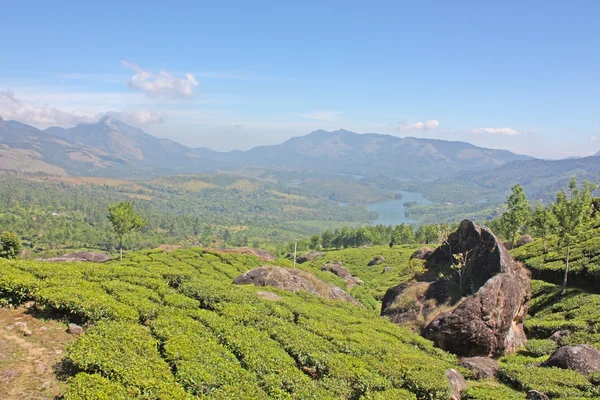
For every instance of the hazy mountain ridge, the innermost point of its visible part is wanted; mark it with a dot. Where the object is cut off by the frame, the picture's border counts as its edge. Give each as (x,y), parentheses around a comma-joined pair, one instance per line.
(113,148)
(541,180)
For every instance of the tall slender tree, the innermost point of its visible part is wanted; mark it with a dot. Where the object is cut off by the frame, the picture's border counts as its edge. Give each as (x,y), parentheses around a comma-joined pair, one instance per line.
(124,220)
(542,222)
(516,215)
(573,213)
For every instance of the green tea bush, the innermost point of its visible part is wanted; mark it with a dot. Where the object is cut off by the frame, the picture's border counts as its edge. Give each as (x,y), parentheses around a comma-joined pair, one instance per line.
(16,285)
(127,353)
(490,390)
(86,386)
(541,347)
(396,394)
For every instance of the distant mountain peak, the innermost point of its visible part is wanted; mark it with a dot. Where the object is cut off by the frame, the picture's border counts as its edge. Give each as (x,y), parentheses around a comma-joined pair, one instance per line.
(106,119)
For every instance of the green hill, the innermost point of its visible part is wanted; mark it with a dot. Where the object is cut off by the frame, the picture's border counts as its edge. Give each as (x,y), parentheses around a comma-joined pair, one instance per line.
(172,326)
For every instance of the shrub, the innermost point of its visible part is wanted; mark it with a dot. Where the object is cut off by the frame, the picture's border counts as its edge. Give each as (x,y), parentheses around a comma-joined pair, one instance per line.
(86,386)
(10,245)
(541,347)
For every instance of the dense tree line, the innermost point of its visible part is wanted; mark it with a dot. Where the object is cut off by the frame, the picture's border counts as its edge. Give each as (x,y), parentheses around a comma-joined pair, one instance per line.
(377,235)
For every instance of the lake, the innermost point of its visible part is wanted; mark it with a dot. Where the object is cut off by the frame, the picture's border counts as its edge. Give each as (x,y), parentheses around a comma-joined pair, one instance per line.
(393,212)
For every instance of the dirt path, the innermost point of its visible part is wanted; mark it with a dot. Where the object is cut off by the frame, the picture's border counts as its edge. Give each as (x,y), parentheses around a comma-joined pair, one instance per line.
(27,362)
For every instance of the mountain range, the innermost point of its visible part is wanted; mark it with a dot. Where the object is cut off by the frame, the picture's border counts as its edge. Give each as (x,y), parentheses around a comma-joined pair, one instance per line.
(112,148)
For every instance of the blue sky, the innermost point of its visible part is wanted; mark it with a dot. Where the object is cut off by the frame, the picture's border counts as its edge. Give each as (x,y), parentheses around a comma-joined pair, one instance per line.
(520,75)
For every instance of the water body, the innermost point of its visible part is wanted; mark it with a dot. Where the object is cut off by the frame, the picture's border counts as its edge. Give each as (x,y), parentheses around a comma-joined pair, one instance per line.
(393,212)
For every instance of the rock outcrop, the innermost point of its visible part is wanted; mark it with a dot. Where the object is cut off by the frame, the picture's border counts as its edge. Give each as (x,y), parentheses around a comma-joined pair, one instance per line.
(81,256)
(293,280)
(535,395)
(582,358)
(341,271)
(523,240)
(422,254)
(313,255)
(376,261)
(471,299)
(457,383)
(482,367)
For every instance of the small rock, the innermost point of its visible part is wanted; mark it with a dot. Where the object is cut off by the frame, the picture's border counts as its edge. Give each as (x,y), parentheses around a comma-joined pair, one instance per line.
(313,255)
(29,304)
(535,395)
(582,358)
(269,296)
(22,326)
(386,269)
(523,240)
(457,382)
(558,335)
(482,367)
(376,261)
(422,254)
(75,329)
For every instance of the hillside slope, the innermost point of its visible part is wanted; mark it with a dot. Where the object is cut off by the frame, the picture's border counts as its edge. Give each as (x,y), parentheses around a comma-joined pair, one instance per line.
(172,326)
(25,148)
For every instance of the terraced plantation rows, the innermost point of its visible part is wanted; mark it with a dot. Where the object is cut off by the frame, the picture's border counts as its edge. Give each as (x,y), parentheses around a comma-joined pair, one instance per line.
(172,326)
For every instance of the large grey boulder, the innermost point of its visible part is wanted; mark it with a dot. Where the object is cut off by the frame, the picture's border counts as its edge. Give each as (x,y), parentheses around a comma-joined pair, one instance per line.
(477,312)
(293,280)
(582,358)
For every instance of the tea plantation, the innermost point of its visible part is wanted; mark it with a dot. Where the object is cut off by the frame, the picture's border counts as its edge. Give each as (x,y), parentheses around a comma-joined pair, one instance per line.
(172,326)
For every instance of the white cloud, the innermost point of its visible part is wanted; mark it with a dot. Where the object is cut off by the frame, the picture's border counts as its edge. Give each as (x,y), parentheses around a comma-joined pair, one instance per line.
(26,112)
(162,84)
(420,126)
(13,108)
(594,138)
(140,117)
(497,131)
(325,116)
